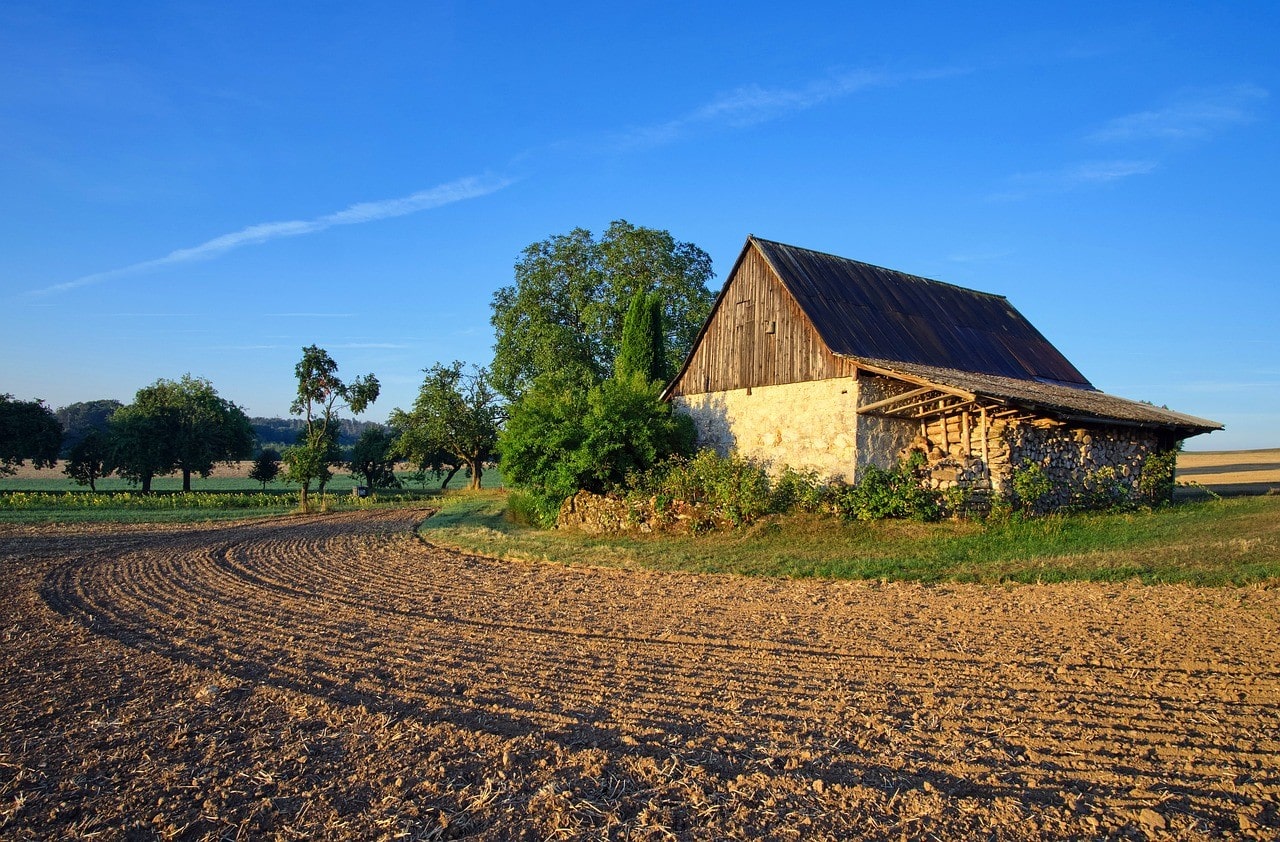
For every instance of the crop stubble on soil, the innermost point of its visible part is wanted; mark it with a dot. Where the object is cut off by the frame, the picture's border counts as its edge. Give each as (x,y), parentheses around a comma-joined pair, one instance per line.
(334,677)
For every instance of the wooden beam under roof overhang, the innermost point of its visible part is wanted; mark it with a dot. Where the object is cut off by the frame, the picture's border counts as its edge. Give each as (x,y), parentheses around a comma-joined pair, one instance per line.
(927,400)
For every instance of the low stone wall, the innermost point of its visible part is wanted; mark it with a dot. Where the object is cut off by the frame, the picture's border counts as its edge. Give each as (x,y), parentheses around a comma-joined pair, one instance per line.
(600,514)
(596,514)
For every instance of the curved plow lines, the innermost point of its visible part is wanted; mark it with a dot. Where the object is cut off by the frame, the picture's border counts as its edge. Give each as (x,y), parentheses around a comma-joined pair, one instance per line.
(354,609)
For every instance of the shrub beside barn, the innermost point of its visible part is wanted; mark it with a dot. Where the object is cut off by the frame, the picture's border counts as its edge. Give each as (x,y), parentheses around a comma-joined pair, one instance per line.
(827,364)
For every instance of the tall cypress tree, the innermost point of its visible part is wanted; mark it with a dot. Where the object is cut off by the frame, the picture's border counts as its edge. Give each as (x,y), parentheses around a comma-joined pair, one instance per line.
(659,368)
(636,349)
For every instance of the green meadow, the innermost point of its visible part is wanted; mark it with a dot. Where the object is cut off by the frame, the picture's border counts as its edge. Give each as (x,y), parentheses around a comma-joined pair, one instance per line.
(1231,541)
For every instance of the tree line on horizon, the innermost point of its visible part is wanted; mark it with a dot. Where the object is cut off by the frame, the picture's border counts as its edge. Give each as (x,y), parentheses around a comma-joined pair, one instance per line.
(586,337)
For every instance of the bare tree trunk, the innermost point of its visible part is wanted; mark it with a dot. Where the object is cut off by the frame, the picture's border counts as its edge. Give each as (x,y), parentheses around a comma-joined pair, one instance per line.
(449,476)
(477,471)
(186,479)
(146,483)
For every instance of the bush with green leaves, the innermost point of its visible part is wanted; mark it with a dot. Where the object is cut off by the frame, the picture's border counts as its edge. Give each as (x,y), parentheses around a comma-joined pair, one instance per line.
(801,491)
(522,509)
(735,489)
(1102,488)
(1156,478)
(1031,488)
(560,439)
(739,491)
(898,492)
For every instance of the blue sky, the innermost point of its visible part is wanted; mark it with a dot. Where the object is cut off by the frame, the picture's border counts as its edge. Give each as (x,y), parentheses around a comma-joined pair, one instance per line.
(209,187)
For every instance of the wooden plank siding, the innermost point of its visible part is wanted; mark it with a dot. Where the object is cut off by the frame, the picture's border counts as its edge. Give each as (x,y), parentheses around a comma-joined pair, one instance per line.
(757,336)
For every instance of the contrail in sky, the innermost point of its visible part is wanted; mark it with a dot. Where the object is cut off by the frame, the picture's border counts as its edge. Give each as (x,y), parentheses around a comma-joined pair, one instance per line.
(742,107)
(444,194)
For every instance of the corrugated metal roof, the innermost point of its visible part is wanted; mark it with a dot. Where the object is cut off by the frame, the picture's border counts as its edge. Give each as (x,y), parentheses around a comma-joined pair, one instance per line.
(871,312)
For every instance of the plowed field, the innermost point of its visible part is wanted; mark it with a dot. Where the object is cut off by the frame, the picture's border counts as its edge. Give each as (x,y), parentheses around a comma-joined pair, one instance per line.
(334,677)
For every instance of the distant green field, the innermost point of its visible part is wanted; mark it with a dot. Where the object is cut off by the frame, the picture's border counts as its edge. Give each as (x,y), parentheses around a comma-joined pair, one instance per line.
(50,497)
(55,481)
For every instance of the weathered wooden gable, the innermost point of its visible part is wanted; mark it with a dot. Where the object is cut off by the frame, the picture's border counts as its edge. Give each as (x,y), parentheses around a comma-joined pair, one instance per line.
(757,335)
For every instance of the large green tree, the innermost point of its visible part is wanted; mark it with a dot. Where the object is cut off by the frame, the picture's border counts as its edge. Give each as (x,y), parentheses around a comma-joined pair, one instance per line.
(28,430)
(564,313)
(456,414)
(210,429)
(321,394)
(179,425)
(141,447)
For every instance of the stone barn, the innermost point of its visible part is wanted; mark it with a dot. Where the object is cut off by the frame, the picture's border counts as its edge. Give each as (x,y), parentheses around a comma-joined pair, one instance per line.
(827,364)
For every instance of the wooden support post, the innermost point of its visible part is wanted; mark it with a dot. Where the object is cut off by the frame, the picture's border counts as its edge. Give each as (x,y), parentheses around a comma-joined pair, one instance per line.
(982,420)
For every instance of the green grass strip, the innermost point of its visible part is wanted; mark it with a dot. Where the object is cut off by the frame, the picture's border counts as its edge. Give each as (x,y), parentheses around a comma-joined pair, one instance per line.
(1212,543)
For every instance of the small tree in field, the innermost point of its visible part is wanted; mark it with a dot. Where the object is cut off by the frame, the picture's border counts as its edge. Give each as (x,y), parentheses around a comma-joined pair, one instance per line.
(265,468)
(89,460)
(372,460)
(320,394)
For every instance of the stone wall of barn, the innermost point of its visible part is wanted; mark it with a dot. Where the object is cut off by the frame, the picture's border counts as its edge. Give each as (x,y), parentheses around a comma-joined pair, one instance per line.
(813,426)
(810,426)
(880,440)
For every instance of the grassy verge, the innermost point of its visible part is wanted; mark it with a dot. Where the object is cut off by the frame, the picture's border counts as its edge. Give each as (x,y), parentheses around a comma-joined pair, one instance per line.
(1218,542)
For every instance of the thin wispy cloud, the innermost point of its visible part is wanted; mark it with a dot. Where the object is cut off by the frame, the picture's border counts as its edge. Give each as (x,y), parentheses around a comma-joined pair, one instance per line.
(136,315)
(309,315)
(741,107)
(444,194)
(1192,115)
(979,256)
(754,104)
(366,346)
(1074,177)
(1101,172)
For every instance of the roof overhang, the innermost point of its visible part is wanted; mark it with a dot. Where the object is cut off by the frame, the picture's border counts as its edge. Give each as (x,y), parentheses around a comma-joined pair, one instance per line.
(925,399)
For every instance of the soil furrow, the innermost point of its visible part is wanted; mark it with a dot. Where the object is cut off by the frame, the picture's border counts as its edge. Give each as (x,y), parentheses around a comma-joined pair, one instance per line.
(334,677)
